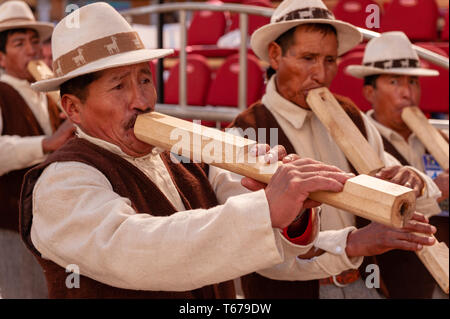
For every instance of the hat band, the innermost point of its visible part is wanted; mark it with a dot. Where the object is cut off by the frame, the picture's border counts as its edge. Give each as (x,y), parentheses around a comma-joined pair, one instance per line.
(307,13)
(397,63)
(95,50)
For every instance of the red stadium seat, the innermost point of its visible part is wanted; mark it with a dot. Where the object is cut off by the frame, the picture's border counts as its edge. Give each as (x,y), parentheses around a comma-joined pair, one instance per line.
(254,21)
(435,92)
(444,34)
(198,81)
(224,88)
(347,85)
(206,26)
(354,12)
(417,18)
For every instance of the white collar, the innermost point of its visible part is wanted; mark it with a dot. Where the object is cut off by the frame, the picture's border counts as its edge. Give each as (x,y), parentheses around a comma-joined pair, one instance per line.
(385,131)
(4,77)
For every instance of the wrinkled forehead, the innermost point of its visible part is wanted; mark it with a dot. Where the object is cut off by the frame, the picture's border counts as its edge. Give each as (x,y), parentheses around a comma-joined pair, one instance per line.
(307,37)
(121,72)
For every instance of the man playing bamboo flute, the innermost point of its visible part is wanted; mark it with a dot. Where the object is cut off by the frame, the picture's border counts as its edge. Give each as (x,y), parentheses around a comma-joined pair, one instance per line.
(391,72)
(302,43)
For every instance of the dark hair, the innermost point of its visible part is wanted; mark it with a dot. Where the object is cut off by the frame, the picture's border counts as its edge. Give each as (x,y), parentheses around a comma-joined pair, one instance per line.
(5,34)
(371,80)
(287,38)
(79,86)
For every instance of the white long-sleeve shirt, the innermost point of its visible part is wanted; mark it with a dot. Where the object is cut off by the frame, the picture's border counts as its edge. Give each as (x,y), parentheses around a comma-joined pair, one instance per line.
(18,152)
(79,219)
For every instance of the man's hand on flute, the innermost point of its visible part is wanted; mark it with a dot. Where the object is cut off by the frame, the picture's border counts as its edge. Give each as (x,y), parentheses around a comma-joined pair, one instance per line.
(375,238)
(442,182)
(404,176)
(288,190)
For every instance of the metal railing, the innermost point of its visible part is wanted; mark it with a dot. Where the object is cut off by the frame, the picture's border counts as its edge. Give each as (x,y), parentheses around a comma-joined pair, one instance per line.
(228,113)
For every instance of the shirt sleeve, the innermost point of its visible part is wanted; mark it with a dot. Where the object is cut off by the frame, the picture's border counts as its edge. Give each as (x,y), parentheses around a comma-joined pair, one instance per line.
(333,261)
(79,219)
(18,152)
(227,184)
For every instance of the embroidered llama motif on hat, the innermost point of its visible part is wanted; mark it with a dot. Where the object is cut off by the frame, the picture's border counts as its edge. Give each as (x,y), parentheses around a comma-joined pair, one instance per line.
(112,47)
(79,59)
(137,41)
(58,70)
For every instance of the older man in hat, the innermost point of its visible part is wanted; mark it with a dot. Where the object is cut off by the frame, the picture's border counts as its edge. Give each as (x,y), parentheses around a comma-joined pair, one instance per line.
(128,219)
(391,71)
(28,123)
(302,43)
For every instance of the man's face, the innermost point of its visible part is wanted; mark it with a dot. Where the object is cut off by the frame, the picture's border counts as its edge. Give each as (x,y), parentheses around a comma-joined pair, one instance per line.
(391,94)
(309,63)
(114,101)
(21,48)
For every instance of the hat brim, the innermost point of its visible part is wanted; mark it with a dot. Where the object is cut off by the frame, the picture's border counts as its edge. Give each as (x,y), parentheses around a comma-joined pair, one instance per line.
(348,36)
(126,58)
(44,29)
(361,71)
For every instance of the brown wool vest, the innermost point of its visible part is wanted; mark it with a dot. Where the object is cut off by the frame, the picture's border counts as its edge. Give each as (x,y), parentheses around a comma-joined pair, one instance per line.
(255,285)
(19,120)
(128,181)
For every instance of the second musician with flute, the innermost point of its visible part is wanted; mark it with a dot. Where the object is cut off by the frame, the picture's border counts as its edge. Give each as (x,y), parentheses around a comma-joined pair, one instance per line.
(302,43)
(391,70)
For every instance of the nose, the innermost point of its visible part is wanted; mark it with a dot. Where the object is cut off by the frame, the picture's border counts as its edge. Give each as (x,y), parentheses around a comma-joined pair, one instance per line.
(31,49)
(406,91)
(318,72)
(142,99)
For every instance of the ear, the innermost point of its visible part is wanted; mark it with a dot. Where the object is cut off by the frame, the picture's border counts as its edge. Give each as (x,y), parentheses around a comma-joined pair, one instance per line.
(73,107)
(275,54)
(369,92)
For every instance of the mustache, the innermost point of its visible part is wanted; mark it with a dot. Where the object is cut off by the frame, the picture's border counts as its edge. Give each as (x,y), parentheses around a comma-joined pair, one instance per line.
(130,123)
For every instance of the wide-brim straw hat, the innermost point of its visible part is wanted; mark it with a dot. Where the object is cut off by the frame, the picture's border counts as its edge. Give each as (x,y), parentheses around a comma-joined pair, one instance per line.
(94,38)
(291,13)
(391,53)
(18,15)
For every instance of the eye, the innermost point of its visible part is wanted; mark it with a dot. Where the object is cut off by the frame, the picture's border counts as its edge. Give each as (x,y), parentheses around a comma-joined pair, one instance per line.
(393,81)
(118,87)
